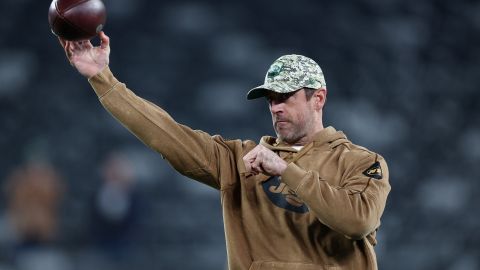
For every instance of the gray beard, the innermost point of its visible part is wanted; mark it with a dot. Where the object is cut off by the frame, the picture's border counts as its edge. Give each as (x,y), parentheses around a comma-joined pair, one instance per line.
(293,136)
(298,132)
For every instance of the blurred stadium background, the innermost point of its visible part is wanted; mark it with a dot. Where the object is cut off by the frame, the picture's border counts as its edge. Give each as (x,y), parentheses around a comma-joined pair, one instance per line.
(79,192)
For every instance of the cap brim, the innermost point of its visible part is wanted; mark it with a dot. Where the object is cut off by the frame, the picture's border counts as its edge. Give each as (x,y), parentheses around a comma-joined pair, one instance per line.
(262,90)
(257,92)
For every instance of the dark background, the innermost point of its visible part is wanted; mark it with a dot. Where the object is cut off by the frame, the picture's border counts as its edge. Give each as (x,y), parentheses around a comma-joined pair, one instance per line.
(403,80)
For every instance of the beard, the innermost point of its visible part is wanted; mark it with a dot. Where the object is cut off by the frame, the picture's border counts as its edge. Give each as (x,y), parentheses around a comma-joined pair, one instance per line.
(291,132)
(295,125)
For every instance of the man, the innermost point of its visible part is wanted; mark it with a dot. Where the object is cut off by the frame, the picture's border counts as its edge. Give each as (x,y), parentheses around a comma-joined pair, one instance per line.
(308,199)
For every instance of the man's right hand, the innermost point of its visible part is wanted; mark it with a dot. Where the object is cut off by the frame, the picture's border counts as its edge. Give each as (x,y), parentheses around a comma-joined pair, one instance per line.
(86,58)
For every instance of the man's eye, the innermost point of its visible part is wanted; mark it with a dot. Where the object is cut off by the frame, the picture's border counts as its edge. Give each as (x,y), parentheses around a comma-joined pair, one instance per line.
(284,97)
(278,98)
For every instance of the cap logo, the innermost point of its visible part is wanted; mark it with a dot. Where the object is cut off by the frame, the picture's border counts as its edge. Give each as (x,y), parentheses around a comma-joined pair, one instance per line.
(274,70)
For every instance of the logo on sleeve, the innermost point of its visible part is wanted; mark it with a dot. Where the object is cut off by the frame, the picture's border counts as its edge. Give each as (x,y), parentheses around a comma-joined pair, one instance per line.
(282,196)
(375,171)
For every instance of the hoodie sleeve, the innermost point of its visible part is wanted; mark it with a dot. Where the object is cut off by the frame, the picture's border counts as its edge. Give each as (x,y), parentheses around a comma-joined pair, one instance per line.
(193,153)
(353,208)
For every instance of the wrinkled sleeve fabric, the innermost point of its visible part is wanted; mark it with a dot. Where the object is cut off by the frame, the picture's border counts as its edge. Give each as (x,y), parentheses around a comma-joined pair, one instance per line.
(353,208)
(193,153)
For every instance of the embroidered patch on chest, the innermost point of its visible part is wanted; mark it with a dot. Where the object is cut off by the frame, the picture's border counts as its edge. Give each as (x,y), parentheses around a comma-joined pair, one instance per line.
(282,196)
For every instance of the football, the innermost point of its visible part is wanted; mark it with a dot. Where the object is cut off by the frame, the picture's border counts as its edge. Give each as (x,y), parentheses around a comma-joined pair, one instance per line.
(76,20)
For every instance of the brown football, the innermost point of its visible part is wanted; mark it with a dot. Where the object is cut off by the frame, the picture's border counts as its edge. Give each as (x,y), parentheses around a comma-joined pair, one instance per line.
(77,19)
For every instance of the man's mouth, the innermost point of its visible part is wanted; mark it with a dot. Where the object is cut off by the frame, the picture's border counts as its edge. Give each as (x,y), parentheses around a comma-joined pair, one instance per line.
(280,122)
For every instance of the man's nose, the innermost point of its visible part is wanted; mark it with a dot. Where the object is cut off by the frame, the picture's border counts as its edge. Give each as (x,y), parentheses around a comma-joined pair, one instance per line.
(276,106)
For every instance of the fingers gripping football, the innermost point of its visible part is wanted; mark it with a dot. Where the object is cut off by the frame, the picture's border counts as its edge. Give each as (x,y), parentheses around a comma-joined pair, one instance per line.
(86,58)
(262,160)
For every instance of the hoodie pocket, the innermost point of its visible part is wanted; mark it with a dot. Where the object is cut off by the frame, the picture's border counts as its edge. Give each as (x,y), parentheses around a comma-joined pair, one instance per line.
(260,265)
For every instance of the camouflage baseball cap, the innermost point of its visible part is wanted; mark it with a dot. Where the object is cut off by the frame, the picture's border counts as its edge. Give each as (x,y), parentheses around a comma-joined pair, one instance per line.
(290,73)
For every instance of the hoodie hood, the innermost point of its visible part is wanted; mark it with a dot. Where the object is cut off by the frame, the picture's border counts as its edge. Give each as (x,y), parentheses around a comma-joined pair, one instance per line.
(328,135)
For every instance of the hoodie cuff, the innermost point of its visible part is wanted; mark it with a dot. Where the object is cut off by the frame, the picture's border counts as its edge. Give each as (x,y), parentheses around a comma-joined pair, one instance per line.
(294,176)
(103,82)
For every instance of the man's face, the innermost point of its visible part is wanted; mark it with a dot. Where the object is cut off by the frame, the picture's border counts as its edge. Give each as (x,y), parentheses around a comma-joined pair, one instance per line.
(292,115)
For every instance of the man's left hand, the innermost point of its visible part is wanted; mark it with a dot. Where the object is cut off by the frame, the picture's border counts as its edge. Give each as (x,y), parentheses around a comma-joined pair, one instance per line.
(262,160)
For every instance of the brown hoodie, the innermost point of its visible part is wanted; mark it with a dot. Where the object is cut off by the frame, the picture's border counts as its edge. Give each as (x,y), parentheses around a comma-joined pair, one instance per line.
(322,213)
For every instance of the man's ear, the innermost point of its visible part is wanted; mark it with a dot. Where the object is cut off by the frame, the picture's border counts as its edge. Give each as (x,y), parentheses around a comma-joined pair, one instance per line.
(320,98)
